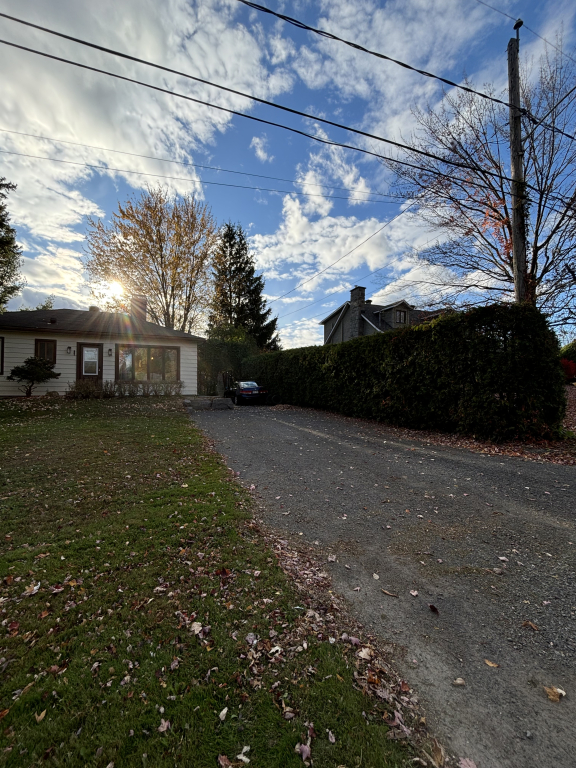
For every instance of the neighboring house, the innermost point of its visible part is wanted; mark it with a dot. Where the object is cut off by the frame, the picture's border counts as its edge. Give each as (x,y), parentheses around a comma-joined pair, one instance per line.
(359,317)
(96,346)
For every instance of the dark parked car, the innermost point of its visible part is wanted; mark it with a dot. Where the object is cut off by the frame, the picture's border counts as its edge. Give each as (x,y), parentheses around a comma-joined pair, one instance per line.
(246,392)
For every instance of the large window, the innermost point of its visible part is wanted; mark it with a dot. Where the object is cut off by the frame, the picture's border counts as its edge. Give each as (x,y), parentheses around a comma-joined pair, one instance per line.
(45,349)
(135,362)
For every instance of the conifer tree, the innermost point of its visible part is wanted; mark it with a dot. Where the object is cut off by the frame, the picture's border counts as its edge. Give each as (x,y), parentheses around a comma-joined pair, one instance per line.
(238,300)
(10,261)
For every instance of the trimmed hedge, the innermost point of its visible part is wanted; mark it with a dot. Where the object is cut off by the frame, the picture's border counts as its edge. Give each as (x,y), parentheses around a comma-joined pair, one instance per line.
(492,372)
(569,351)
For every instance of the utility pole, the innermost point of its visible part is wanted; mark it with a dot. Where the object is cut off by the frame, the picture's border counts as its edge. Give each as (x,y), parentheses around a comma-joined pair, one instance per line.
(517,167)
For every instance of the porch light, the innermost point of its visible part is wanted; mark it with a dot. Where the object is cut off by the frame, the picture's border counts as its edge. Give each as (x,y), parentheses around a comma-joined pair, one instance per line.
(110,352)
(68,350)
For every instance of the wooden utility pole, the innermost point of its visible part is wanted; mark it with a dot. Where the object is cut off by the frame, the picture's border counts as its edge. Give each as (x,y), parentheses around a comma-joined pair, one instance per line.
(517,167)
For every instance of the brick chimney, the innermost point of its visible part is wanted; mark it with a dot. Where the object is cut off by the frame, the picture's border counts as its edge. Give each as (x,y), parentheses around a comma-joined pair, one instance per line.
(357,301)
(138,307)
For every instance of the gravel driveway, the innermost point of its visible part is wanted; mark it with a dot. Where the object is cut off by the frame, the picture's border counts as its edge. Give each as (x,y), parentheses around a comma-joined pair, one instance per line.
(490,542)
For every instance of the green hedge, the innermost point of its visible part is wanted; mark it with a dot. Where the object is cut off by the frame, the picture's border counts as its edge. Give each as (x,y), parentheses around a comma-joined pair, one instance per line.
(492,372)
(569,351)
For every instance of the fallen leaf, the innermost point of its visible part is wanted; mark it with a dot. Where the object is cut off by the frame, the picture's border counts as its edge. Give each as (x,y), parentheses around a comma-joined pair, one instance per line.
(110,765)
(391,594)
(223,761)
(530,625)
(466,763)
(554,693)
(438,753)
(44,614)
(3,713)
(303,750)
(404,687)
(459,681)
(356,589)
(414,592)
(503,559)
(433,608)
(491,663)
(242,756)
(31,590)
(164,725)
(196,627)
(331,558)
(375,576)
(39,717)
(223,714)
(366,653)
(331,737)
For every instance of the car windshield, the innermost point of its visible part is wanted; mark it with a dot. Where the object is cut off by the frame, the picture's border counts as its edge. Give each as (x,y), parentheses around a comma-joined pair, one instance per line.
(245,384)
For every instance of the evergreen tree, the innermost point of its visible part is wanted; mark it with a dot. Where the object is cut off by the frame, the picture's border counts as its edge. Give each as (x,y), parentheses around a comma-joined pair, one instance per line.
(238,300)
(10,261)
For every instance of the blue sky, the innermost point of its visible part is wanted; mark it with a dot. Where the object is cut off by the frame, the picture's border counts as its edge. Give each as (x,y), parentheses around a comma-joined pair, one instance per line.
(292,236)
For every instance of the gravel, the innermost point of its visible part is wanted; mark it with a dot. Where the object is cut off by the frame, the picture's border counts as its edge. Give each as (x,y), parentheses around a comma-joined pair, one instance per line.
(488,540)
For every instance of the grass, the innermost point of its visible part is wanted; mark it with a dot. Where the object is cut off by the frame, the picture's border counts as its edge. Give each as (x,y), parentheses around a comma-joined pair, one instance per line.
(148,582)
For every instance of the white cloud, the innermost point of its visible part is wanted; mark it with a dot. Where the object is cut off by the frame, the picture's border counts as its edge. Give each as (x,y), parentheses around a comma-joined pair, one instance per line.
(301,333)
(259,144)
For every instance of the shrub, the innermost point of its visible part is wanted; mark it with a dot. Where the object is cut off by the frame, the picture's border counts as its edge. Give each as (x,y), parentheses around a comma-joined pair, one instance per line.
(569,351)
(34,371)
(492,372)
(109,389)
(132,388)
(84,389)
(569,367)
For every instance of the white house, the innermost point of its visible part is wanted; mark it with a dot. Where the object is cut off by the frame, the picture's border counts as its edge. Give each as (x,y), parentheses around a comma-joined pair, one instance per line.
(98,346)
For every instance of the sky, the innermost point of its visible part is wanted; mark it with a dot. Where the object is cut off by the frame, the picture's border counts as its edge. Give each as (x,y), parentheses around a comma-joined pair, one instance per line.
(322,205)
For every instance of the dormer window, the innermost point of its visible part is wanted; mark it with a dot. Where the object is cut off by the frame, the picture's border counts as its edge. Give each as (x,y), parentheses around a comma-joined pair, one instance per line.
(401,317)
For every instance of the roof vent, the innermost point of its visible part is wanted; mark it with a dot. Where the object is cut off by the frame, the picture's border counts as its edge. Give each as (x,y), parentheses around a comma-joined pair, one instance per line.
(93,308)
(52,321)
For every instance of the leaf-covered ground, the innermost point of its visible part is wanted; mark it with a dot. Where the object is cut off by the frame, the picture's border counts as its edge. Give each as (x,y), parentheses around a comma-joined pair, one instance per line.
(144,622)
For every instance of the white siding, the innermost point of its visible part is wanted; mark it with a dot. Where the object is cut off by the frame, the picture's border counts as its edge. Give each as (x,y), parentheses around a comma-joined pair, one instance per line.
(18,346)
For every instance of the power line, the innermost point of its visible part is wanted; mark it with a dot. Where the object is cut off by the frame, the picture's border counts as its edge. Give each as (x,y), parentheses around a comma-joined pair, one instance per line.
(161,67)
(358,47)
(425,73)
(313,277)
(341,290)
(319,139)
(188,164)
(507,15)
(192,181)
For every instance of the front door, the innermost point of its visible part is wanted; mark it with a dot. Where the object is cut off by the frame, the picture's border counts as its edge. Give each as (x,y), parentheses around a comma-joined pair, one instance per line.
(89,362)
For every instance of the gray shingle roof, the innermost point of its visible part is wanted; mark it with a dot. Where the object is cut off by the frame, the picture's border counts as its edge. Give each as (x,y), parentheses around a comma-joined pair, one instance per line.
(87,323)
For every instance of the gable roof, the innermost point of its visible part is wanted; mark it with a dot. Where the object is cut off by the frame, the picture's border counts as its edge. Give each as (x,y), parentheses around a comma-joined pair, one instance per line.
(338,309)
(88,323)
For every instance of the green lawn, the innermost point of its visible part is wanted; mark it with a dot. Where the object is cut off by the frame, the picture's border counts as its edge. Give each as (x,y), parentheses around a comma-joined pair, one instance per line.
(145,582)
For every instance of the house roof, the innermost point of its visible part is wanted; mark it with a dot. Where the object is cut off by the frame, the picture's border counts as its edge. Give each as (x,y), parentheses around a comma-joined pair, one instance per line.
(338,309)
(381,308)
(87,323)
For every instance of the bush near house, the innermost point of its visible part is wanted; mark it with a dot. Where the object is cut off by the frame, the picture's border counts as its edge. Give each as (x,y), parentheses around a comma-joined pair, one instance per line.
(569,351)
(492,372)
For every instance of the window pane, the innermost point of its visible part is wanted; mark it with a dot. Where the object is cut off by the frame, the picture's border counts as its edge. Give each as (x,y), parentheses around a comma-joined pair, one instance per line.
(156,364)
(141,363)
(90,361)
(46,350)
(170,364)
(124,363)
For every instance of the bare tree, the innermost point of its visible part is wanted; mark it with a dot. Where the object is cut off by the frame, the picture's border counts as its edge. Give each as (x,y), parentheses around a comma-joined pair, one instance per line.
(160,246)
(470,207)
